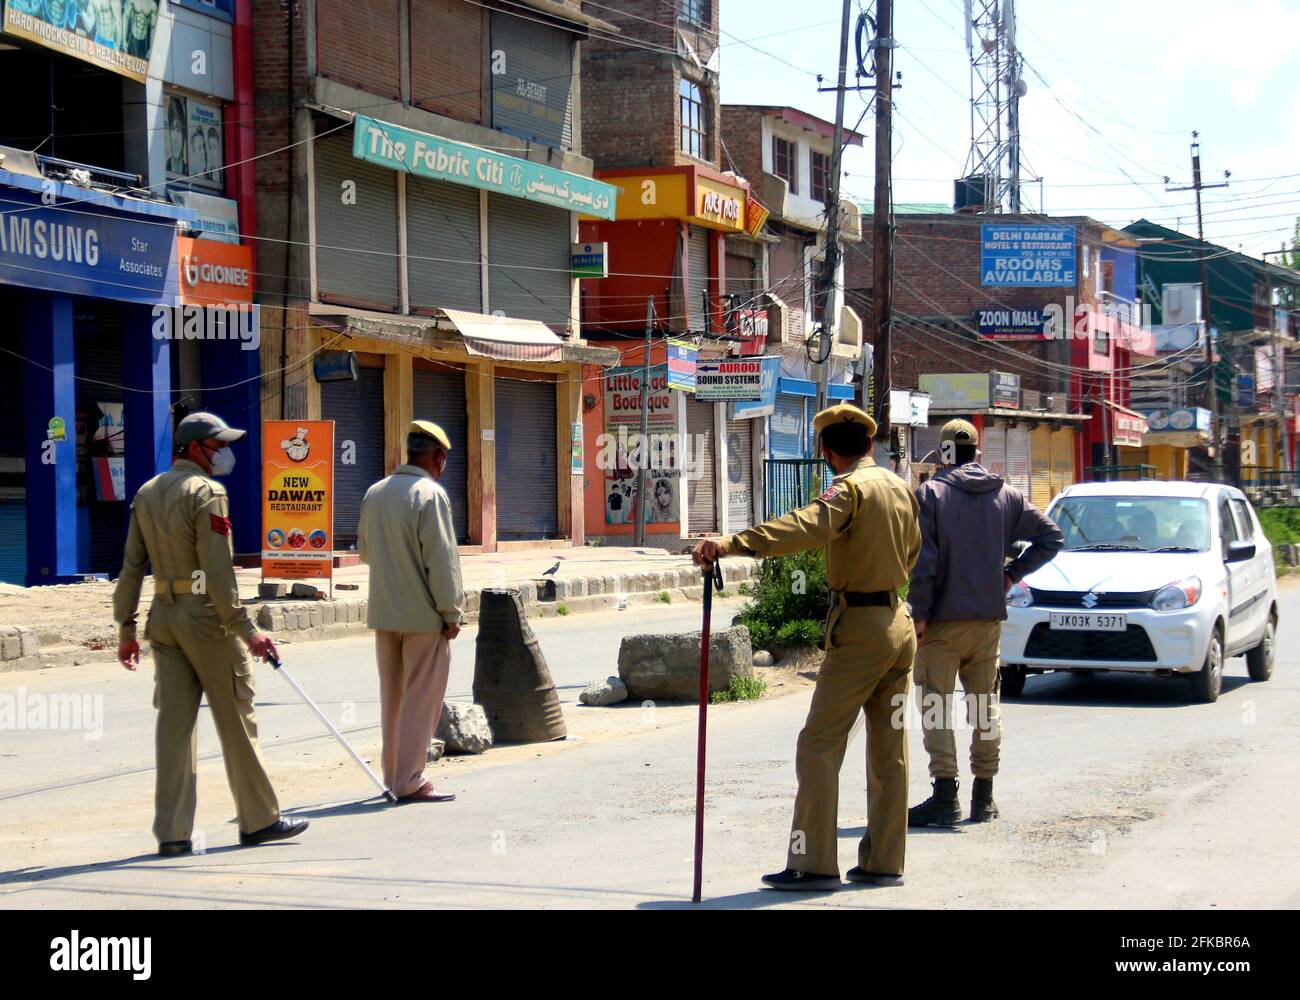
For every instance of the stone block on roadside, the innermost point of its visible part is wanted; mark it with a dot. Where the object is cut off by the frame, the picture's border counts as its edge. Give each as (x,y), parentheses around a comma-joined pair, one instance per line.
(307,592)
(329,612)
(598,694)
(667,667)
(436,749)
(30,643)
(463,728)
(270,619)
(272,591)
(11,643)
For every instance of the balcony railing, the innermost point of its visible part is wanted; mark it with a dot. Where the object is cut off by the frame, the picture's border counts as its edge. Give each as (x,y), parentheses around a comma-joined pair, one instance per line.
(88,175)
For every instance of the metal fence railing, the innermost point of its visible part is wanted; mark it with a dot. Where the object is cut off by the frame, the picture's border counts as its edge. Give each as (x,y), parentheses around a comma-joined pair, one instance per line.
(793,482)
(1107,473)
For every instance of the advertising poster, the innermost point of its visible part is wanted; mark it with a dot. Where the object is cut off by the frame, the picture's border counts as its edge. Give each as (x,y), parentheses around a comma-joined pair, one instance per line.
(622,450)
(195,142)
(743,380)
(1014,256)
(297,499)
(116,35)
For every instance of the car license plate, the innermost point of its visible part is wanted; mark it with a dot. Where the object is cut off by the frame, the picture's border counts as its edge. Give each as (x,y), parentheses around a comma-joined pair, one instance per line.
(1090,621)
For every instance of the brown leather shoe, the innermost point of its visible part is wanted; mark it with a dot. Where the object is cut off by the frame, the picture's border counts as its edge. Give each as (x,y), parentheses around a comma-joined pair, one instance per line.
(427,793)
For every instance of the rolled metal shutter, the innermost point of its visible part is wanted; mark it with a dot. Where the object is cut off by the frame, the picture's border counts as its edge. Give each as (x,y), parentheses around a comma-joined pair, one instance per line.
(444,252)
(743,279)
(741,487)
(924,441)
(789,426)
(533,98)
(1040,462)
(1018,459)
(13,542)
(526,460)
(786,274)
(1062,460)
(697,275)
(363,268)
(701,502)
(528,245)
(993,443)
(357,409)
(439,395)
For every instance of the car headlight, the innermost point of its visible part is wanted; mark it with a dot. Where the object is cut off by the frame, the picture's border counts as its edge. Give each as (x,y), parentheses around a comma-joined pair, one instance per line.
(1019,596)
(1179,595)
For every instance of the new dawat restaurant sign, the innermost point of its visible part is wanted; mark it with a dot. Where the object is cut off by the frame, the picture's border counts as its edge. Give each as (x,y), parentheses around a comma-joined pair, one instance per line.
(460,163)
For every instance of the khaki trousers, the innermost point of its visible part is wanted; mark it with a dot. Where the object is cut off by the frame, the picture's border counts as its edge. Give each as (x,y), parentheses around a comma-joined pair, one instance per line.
(194,656)
(968,650)
(413,671)
(866,669)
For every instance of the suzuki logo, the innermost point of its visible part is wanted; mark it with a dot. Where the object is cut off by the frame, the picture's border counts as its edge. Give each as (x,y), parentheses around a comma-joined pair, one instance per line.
(1090,599)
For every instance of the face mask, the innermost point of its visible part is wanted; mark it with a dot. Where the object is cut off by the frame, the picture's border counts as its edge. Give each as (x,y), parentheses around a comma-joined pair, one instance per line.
(223,462)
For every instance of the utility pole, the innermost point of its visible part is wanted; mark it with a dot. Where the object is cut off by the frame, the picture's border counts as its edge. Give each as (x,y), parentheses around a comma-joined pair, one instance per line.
(1279,370)
(882,243)
(644,450)
(1211,394)
(831,252)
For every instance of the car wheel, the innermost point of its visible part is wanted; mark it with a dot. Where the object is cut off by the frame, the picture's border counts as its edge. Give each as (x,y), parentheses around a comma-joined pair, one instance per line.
(1013,680)
(1208,681)
(1259,661)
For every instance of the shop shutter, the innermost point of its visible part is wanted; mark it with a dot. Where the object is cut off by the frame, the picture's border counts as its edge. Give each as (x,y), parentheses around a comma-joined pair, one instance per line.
(700,493)
(359,44)
(993,442)
(697,276)
(744,279)
(741,485)
(528,245)
(363,269)
(13,542)
(789,427)
(526,460)
(442,227)
(924,441)
(451,84)
(786,274)
(1040,462)
(533,98)
(1062,460)
(439,395)
(357,409)
(1018,459)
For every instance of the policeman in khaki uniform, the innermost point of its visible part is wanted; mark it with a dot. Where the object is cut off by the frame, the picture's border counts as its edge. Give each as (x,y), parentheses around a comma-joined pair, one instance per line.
(180,527)
(867,521)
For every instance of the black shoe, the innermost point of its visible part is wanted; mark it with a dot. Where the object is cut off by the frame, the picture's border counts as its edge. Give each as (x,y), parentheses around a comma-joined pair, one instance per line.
(940,809)
(860,874)
(281,829)
(797,881)
(175,848)
(982,806)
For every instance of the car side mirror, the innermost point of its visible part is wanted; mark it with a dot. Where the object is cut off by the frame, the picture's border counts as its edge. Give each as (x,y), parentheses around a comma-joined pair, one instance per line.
(1240,551)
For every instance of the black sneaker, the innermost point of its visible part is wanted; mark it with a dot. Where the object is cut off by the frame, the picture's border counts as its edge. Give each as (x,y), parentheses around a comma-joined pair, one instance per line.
(175,848)
(281,829)
(860,874)
(791,880)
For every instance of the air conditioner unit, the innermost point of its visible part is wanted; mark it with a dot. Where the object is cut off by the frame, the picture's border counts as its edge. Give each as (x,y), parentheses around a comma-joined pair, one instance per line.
(1181,305)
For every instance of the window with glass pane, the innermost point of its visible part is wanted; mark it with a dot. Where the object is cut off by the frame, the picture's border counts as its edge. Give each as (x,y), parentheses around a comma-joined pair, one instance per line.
(821,177)
(783,162)
(692,107)
(696,11)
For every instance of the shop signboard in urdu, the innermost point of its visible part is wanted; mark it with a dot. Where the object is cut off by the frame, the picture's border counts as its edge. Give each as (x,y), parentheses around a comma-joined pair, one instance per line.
(622,451)
(441,159)
(723,380)
(116,35)
(1016,256)
(84,250)
(297,499)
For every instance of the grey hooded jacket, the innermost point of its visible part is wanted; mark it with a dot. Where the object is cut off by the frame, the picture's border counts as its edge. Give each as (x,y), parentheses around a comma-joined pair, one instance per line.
(969,520)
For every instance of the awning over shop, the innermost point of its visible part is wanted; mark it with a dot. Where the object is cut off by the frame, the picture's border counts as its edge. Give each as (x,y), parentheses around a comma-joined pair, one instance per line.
(505,338)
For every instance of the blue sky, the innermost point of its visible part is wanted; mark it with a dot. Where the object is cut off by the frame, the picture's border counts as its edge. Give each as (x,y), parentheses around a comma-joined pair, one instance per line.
(1129,81)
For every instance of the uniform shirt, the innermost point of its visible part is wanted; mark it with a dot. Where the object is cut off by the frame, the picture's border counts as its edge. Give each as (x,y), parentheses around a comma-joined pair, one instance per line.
(180,525)
(409,541)
(867,521)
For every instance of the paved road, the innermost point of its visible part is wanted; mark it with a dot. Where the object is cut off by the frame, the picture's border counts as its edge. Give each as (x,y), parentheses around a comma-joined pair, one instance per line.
(1116,791)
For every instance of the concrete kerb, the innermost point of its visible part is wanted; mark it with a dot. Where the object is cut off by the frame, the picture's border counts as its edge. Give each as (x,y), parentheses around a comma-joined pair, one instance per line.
(312,621)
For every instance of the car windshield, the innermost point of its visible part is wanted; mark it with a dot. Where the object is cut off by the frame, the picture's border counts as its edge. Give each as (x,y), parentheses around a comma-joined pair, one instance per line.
(1136,524)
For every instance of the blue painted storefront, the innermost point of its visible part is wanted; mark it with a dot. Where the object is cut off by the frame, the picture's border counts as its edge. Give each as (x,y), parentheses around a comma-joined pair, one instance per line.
(80,273)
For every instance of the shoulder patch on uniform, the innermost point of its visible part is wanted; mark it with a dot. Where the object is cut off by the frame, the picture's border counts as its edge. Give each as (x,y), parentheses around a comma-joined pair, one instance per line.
(831,493)
(220,525)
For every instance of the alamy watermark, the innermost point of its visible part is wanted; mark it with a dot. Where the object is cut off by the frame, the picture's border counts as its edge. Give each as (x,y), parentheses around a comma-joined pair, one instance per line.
(24,711)
(242,323)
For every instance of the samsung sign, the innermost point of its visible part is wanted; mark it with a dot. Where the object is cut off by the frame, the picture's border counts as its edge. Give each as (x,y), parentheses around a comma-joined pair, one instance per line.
(1027,256)
(85,252)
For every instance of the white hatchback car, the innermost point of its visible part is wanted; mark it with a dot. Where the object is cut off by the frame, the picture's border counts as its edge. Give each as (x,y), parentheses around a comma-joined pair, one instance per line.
(1155,577)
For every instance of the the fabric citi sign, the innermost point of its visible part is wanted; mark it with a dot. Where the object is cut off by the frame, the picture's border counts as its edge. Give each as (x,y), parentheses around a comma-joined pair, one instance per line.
(297,499)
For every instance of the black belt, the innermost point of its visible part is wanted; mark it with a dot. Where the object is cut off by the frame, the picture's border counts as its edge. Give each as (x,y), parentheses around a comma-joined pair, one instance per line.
(861,599)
